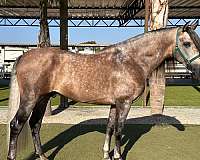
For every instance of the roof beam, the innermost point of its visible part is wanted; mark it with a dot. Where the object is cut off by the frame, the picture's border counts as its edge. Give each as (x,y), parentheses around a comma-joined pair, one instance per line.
(86,23)
(97,7)
(93,18)
(126,15)
(70,7)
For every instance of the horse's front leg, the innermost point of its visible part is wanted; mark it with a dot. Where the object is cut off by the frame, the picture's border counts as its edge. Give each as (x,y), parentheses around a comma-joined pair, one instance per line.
(109,132)
(121,115)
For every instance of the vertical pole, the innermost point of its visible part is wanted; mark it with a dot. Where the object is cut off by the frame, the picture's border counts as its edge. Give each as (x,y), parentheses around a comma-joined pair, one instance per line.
(63,38)
(44,38)
(146,26)
(64,24)
(158,19)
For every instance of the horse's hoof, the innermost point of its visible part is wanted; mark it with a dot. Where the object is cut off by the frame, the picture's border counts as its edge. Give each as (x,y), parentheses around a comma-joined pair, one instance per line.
(106,156)
(9,158)
(118,159)
(43,157)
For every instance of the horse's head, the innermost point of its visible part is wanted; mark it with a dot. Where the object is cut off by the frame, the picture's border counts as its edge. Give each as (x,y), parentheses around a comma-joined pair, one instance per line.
(187,50)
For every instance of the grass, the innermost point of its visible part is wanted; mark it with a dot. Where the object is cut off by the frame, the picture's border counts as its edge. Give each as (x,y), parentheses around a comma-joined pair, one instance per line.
(179,96)
(182,96)
(4,94)
(175,96)
(140,142)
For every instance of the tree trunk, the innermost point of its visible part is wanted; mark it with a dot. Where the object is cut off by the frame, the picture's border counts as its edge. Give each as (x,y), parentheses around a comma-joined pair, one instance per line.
(44,38)
(63,39)
(158,19)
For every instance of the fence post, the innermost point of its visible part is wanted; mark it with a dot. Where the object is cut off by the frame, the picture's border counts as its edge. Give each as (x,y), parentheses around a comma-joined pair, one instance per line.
(158,19)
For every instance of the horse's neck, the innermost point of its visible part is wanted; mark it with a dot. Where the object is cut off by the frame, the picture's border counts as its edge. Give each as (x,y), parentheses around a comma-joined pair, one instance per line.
(152,49)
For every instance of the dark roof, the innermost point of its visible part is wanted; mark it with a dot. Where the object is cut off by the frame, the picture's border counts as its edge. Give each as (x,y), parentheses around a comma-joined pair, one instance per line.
(95,9)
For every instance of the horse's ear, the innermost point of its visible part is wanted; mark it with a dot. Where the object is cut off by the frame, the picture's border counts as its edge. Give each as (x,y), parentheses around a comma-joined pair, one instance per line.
(194,24)
(186,26)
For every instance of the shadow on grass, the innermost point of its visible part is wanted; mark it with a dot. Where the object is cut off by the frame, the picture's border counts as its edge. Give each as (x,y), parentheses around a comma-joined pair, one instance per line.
(60,108)
(5,99)
(4,88)
(197,88)
(134,129)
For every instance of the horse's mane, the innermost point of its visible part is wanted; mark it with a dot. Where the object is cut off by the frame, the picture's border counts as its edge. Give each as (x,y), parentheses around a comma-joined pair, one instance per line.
(137,37)
(123,42)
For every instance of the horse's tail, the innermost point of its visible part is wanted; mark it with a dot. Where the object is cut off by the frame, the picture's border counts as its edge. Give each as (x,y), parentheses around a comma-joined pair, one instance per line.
(14,101)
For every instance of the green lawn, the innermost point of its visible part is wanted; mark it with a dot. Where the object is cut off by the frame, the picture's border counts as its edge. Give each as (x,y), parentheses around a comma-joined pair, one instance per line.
(179,96)
(140,142)
(175,96)
(4,94)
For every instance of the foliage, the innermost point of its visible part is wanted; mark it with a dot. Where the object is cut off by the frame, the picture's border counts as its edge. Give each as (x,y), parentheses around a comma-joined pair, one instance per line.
(88,42)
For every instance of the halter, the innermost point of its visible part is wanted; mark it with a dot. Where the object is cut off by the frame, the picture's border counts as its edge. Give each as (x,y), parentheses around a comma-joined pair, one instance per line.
(185,57)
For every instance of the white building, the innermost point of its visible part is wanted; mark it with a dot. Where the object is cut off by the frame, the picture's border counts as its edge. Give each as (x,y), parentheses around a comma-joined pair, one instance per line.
(9,53)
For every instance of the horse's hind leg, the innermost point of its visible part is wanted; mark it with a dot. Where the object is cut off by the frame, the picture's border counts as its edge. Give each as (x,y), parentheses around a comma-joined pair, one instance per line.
(17,123)
(35,124)
(121,115)
(109,132)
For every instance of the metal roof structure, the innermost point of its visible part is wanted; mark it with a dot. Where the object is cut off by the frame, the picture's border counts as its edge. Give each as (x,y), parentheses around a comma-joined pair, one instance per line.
(103,9)
(84,9)
(120,10)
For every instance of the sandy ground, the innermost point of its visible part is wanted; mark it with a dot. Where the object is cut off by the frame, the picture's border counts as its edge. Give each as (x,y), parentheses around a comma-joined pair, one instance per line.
(94,115)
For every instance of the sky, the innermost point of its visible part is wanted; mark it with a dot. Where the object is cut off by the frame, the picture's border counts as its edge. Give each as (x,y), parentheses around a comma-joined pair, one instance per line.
(105,36)
(76,35)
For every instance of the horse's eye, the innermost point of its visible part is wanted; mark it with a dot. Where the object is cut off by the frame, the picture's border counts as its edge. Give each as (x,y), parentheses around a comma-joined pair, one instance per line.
(187,44)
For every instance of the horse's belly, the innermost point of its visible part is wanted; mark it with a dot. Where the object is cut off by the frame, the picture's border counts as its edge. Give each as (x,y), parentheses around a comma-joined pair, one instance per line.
(87,96)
